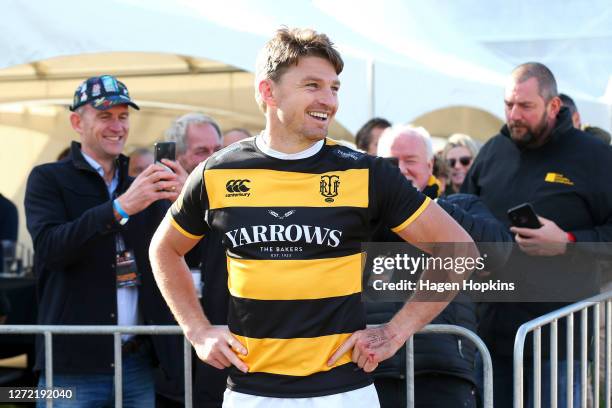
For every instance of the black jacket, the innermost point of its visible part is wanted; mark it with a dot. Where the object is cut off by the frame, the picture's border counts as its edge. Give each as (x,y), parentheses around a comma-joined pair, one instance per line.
(8,231)
(70,218)
(566,180)
(442,353)
(8,219)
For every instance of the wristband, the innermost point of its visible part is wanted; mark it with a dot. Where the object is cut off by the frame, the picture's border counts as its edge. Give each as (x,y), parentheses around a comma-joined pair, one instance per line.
(124,216)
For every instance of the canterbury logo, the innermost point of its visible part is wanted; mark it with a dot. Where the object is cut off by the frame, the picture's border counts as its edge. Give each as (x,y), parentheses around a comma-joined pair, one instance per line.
(558,178)
(281,217)
(237,188)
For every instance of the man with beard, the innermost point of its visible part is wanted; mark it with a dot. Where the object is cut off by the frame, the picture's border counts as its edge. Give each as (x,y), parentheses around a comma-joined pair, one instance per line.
(443,363)
(540,158)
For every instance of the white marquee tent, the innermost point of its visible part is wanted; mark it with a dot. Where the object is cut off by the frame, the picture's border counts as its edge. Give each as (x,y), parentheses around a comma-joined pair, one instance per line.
(426,55)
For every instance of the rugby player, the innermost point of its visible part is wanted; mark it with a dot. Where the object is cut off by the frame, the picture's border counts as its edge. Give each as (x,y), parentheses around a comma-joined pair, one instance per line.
(294,207)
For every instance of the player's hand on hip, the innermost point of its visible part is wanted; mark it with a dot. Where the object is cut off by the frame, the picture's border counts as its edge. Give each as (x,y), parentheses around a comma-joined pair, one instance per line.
(153,184)
(368,347)
(217,347)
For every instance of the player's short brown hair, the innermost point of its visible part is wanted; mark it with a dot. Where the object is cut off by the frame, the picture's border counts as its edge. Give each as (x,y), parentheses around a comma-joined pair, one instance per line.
(286,48)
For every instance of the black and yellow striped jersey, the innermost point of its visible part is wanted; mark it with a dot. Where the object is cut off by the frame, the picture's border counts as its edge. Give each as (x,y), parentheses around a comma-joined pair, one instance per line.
(292,230)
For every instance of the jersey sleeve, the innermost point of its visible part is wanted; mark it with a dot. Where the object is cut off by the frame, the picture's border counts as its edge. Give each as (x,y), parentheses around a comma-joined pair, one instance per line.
(398,202)
(188,213)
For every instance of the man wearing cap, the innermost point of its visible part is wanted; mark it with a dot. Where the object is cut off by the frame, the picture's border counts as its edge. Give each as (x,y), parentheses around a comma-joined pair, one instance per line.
(91,225)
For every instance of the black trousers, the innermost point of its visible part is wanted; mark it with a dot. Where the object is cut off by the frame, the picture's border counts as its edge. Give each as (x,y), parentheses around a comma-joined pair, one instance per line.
(208,386)
(430,391)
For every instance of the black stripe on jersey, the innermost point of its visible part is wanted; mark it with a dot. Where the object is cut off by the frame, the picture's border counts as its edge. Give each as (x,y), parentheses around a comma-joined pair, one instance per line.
(343,378)
(300,318)
(329,158)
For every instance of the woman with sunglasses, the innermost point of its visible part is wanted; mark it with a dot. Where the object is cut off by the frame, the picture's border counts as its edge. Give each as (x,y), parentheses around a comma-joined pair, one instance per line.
(459,153)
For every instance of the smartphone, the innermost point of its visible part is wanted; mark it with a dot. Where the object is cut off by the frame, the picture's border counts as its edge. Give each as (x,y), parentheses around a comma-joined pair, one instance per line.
(165,150)
(523,216)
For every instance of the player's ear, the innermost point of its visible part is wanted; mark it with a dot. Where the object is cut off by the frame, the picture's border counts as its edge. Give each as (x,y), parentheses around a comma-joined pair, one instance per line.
(266,92)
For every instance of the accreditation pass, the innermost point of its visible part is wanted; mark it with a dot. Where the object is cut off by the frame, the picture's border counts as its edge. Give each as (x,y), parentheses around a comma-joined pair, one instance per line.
(33,394)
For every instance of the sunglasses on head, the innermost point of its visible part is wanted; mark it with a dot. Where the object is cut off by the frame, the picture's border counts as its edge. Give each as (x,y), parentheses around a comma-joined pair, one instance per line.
(464,160)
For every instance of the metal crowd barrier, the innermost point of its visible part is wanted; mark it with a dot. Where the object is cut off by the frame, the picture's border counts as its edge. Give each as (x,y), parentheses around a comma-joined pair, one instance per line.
(552,318)
(117,331)
(487,399)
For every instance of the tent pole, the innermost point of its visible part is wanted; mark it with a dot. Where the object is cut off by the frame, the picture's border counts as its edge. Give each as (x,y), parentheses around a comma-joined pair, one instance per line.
(370,84)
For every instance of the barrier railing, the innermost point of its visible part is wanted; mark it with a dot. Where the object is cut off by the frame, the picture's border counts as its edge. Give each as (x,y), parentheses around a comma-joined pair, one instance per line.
(553,318)
(487,399)
(117,331)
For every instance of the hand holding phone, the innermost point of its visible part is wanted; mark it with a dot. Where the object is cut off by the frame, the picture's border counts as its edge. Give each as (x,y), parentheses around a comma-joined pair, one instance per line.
(524,216)
(165,150)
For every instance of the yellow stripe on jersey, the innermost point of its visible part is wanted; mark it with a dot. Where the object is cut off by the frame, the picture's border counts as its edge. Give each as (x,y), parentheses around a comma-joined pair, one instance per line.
(413,217)
(182,231)
(297,357)
(294,279)
(270,188)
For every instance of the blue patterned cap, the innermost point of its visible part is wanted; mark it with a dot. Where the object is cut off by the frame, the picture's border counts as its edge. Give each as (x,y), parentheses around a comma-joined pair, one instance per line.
(102,92)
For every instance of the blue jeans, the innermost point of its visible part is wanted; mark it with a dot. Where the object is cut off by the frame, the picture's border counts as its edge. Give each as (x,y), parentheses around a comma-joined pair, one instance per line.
(98,390)
(503,382)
